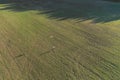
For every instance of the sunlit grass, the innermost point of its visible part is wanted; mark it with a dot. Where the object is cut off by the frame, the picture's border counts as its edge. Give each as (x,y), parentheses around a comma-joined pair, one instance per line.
(34,46)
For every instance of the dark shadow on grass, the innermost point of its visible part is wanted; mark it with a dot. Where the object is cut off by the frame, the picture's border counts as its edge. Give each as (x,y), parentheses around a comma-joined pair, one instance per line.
(97,10)
(113,0)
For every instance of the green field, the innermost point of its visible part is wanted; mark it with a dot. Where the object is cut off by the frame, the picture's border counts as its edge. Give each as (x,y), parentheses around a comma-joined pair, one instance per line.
(59,40)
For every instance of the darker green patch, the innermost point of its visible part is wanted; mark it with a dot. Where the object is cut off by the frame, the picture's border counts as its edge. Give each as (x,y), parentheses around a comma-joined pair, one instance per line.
(97,10)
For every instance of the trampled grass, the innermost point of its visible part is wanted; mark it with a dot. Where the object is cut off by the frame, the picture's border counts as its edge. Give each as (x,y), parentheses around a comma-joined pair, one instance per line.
(34,46)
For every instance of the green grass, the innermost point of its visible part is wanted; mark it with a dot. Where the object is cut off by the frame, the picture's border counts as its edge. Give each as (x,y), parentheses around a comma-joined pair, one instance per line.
(36,47)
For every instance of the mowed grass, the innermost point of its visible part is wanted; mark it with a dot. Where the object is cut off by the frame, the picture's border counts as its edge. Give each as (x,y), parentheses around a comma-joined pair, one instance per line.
(36,47)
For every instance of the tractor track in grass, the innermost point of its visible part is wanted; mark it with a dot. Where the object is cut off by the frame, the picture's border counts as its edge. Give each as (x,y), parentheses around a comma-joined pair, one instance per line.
(4,33)
(6,49)
(35,47)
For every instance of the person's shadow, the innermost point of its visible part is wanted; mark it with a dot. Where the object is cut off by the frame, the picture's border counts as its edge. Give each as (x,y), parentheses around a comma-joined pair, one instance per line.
(96,10)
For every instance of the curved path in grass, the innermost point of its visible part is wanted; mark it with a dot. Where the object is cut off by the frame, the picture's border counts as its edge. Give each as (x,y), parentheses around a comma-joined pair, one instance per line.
(36,47)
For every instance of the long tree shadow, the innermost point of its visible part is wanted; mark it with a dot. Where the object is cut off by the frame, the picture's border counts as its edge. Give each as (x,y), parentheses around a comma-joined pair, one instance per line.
(97,10)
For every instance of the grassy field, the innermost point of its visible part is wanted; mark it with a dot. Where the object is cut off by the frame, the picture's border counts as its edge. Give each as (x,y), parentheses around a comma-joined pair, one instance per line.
(66,41)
